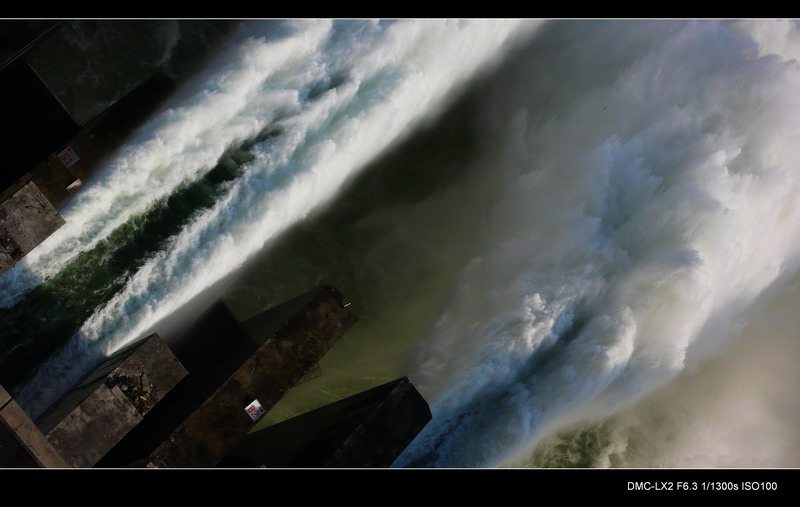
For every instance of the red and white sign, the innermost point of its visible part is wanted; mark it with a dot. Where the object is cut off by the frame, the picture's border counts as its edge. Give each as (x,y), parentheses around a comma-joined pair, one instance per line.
(68,157)
(74,186)
(255,410)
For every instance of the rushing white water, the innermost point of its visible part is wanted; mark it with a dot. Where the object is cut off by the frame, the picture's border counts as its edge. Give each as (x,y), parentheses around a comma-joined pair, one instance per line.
(646,187)
(631,195)
(738,409)
(334,93)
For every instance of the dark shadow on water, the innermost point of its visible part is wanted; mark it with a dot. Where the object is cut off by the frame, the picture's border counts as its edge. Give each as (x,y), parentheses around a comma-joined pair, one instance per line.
(324,248)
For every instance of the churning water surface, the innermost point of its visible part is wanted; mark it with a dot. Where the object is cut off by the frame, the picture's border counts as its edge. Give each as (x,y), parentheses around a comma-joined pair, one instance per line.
(563,232)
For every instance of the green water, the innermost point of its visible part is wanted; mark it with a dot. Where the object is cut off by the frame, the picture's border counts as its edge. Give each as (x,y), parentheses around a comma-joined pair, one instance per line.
(397,287)
(47,317)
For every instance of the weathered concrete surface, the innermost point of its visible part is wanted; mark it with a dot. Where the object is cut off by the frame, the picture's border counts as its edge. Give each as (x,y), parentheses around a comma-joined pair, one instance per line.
(5,397)
(208,433)
(211,349)
(368,430)
(147,375)
(386,431)
(36,447)
(94,427)
(111,401)
(12,453)
(26,219)
(161,369)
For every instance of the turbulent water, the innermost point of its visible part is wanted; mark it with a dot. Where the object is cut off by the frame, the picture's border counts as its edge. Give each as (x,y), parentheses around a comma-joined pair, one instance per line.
(301,107)
(578,222)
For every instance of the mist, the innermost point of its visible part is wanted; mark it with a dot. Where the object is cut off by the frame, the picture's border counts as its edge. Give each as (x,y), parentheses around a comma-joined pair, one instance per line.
(577,238)
(646,179)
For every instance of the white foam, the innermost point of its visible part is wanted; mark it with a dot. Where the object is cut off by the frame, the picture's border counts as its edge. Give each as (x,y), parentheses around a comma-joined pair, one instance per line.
(393,76)
(648,195)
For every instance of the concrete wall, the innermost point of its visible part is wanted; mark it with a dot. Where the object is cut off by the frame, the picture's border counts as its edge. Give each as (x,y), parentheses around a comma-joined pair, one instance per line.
(93,428)
(26,219)
(111,402)
(367,430)
(22,445)
(33,123)
(303,338)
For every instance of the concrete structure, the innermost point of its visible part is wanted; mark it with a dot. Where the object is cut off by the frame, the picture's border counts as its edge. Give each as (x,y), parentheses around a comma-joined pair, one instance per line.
(110,402)
(114,416)
(230,365)
(46,155)
(141,407)
(22,445)
(19,35)
(34,123)
(26,219)
(293,350)
(56,171)
(210,350)
(36,128)
(368,430)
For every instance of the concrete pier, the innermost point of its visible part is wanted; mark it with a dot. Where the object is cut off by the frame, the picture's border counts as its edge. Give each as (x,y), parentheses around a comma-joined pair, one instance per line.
(26,219)
(47,156)
(109,403)
(97,140)
(276,366)
(368,430)
(143,408)
(231,365)
(34,122)
(22,445)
